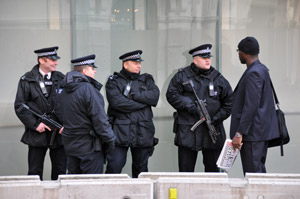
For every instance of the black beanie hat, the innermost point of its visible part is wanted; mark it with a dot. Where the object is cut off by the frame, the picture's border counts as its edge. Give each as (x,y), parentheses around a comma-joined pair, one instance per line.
(249,45)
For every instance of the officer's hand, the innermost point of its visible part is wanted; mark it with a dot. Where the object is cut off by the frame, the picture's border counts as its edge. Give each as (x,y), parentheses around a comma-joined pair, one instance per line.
(61,130)
(42,127)
(215,122)
(109,147)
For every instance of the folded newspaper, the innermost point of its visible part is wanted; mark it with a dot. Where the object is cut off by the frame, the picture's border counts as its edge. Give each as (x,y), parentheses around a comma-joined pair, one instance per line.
(227,156)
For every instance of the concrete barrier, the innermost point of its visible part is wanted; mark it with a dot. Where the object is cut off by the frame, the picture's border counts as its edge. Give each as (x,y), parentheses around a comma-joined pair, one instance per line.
(160,185)
(92,177)
(76,186)
(22,187)
(273,186)
(107,188)
(191,185)
(155,175)
(215,185)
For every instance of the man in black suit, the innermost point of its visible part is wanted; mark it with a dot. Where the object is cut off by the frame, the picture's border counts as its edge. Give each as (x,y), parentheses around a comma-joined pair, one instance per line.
(253,120)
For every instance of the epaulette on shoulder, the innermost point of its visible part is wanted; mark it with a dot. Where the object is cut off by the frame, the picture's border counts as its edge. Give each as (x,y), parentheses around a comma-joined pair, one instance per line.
(180,69)
(146,77)
(59,74)
(113,77)
(26,75)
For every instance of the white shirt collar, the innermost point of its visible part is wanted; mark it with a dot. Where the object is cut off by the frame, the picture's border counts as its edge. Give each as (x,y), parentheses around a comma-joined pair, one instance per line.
(43,74)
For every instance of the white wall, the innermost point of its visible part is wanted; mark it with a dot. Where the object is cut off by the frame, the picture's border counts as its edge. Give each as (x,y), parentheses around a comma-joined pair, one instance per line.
(25,27)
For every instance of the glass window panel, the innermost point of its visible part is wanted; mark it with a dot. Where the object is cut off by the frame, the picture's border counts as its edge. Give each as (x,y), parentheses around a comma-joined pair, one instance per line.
(276,26)
(24,27)
(165,30)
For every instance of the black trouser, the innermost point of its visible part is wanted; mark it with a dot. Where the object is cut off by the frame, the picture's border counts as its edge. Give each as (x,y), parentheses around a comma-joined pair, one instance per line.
(86,164)
(36,157)
(253,155)
(187,159)
(117,160)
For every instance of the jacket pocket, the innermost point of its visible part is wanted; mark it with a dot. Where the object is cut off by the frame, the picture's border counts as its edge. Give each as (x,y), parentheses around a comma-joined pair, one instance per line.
(121,130)
(34,138)
(184,136)
(145,133)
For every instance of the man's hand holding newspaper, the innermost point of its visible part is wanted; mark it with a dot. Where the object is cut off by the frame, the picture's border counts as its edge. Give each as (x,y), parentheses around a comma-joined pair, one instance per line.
(227,156)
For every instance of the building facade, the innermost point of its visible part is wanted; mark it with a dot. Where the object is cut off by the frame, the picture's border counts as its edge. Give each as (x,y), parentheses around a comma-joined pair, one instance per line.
(165,30)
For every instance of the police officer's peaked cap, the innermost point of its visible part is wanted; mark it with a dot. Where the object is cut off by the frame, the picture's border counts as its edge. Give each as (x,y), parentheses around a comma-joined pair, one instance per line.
(50,52)
(249,45)
(202,51)
(87,60)
(132,56)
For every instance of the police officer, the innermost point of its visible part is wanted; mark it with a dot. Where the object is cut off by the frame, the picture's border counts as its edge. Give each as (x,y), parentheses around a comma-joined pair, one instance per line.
(131,95)
(38,89)
(215,90)
(86,127)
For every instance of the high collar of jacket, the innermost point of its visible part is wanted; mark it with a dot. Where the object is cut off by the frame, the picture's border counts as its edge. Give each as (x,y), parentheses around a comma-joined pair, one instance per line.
(129,75)
(34,74)
(200,71)
(74,80)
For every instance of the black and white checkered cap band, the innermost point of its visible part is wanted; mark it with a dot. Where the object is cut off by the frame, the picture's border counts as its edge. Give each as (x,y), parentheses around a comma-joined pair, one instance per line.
(203,51)
(47,53)
(85,62)
(136,56)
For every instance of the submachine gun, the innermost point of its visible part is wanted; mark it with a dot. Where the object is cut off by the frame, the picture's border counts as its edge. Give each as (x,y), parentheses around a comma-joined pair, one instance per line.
(204,115)
(46,119)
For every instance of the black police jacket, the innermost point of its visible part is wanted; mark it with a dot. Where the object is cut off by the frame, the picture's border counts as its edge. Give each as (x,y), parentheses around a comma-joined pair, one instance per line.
(30,93)
(81,111)
(182,98)
(132,115)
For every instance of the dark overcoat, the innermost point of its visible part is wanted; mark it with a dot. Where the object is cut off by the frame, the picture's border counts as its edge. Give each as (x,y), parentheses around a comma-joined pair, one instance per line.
(182,98)
(30,93)
(253,111)
(81,111)
(132,115)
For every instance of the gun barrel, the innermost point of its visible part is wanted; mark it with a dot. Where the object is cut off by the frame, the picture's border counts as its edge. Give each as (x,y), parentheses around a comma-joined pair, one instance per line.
(44,118)
(50,121)
(20,108)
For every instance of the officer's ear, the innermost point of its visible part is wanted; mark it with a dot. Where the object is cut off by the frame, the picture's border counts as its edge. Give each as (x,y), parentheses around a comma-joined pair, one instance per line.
(42,60)
(84,70)
(125,65)
(196,60)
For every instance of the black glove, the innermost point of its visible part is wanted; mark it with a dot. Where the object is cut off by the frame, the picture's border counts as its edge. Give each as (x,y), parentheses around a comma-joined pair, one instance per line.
(215,122)
(109,147)
(194,111)
(155,142)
